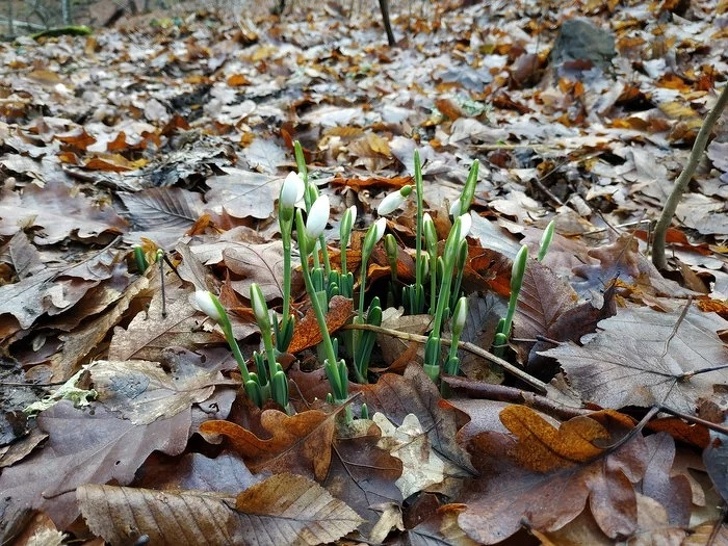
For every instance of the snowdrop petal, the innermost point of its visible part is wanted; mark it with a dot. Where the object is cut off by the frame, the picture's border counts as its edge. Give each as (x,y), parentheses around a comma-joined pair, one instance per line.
(466,222)
(292,190)
(318,217)
(393,201)
(206,304)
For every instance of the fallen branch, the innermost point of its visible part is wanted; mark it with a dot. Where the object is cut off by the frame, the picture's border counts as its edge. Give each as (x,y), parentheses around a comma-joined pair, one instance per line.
(469,347)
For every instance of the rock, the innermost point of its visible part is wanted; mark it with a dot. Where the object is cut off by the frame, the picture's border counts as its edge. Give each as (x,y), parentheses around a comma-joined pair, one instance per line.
(581,46)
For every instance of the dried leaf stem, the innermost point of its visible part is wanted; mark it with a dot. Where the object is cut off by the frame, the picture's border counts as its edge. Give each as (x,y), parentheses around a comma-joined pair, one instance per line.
(681,184)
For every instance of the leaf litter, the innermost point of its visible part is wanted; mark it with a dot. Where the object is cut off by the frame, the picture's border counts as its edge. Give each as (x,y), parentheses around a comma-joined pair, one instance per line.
(190,158)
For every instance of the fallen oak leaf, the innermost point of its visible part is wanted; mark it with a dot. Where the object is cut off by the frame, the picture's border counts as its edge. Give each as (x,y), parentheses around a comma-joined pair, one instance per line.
(508,495)
(301,442)
(543,448)
(414,393)
(307,333)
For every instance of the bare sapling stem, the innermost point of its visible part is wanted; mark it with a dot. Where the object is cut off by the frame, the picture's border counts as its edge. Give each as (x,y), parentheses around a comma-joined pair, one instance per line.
(668,212)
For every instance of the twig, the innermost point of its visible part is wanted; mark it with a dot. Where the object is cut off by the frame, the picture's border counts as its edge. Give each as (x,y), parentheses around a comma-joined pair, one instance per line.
(681,184)
(466,346)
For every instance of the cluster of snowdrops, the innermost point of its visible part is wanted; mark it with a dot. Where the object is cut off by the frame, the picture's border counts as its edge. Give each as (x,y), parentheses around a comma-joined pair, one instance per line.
(436,290)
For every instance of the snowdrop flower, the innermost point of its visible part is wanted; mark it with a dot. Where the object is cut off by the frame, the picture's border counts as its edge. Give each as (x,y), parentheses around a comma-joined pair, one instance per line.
(208,303)
(461,314)
(393,201)
(347,222)
(455,208)
(260,309)
(292,190)
(428,227)
(318,217)
(466,222)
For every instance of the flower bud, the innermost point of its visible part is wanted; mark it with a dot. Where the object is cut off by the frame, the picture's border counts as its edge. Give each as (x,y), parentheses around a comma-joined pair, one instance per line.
(374,234)
(428,227)
(208,303)
(291,191)
(393,201)
(461,314)
(260,309)
(347,222)
(466,222)
(318,217)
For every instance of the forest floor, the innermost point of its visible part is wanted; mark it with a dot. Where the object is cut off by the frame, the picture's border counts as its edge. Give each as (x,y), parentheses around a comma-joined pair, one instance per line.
(122,413)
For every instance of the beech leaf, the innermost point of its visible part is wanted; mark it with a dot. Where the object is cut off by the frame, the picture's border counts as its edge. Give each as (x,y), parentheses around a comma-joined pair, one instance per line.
(543,448)
(161,208)
(259,263)
(121,515)
(644,358)
(292,509)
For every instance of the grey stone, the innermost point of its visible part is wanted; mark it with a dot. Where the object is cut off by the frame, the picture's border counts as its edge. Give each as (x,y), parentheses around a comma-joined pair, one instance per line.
(581,46)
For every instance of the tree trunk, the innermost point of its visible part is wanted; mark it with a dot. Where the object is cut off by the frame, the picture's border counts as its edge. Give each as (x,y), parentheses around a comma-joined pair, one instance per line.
(384,7)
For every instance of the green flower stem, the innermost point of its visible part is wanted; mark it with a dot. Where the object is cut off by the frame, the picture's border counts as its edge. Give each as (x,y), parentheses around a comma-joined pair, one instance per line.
(462,258)
(419,266)
(300,163)
(459,318)
(347,224)
(450,255)
(286,237)
(269,352)
(227,329)
(519,269)
(338,384)
(141,259)
(505,324)
(432,357)
(366,340)
(466,197)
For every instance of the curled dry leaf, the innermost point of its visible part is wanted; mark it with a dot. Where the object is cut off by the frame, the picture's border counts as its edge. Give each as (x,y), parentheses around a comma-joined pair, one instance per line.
(301,442)
(307,333)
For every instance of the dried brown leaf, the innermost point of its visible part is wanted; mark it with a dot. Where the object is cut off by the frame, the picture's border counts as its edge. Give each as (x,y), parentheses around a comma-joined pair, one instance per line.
(121,515)
(301,442)
(643,358)
(287,509)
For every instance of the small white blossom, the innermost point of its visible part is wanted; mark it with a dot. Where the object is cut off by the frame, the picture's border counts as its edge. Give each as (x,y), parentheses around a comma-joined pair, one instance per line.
(292,190)
(206,304)
(393,201)
(466,222)
(380,227)
(455,208)
(461,314)
(318,217)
